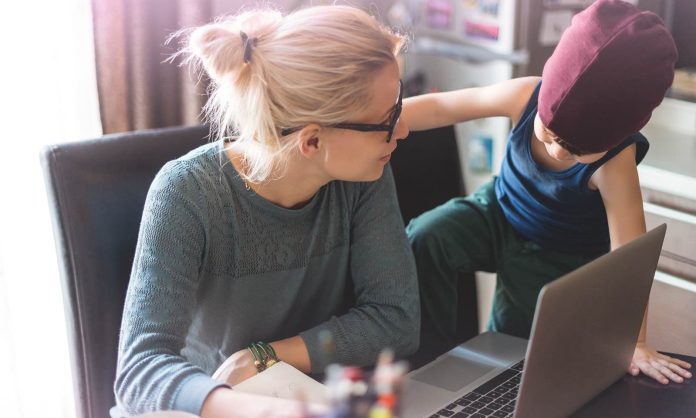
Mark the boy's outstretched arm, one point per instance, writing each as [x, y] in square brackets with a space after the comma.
[617, 182]
[434, 110]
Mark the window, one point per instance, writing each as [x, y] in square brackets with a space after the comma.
[48, 87]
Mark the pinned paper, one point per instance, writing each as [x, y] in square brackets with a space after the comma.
[553, 24]
[481, 30]
[439, 14]
[568, 3]
[577, 3]
[480, 153]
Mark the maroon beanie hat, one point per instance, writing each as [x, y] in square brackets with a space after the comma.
[609, 71]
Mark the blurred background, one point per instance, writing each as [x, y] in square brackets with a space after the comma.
[77, 69]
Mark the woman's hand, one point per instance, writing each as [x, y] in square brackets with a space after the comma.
[237, 368]
[658, 366]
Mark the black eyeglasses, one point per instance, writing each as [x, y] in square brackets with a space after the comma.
[368, 127]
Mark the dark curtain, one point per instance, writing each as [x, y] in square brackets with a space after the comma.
[137, 88]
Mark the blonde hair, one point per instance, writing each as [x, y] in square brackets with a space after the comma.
[315, 65]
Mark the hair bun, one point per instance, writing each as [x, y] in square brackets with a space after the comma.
[217, 48]
[222, 48]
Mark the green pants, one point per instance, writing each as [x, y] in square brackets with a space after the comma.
[472, 234]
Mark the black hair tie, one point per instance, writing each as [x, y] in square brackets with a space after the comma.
[248, 43]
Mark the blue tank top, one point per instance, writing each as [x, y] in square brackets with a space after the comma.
[555, 209]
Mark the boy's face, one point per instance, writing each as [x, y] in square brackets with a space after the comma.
[556, 150]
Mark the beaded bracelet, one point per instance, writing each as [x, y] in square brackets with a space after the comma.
[258, 359]
[264, 355]
[270, 357]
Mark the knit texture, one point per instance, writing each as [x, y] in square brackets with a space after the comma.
[218, 267]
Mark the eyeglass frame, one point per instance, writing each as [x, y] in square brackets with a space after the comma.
[368, 127]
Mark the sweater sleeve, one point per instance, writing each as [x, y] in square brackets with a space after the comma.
[387, 311]
[151, 373]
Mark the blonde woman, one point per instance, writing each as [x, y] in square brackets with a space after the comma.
[257, 237]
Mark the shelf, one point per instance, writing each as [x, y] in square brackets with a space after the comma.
[675, 115]
[670, 165]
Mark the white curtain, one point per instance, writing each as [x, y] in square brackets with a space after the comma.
[47, 95]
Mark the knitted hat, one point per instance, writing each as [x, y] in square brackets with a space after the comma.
[609, 71]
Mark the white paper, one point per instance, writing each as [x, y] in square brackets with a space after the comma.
[284, 381]
[553, 24]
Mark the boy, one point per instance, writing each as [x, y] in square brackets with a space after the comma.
[568, 188]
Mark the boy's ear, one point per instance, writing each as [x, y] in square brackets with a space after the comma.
[309, 142]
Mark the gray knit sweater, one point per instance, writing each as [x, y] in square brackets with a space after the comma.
[218, 267]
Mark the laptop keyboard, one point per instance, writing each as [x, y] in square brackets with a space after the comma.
[495, 398]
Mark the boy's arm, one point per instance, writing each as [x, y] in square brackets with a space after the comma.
[618, 183]
[434, 110]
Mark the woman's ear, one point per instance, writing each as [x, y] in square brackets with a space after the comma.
[309, 142]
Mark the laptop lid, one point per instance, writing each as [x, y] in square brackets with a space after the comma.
[585, 329]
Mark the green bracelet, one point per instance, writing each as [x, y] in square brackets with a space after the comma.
[270, 357]
[264, 355]
[259, 362]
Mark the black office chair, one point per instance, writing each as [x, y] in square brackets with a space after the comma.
[427, 173]
[97, 191]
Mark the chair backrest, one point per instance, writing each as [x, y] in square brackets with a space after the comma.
[97, 191]
[427, 171]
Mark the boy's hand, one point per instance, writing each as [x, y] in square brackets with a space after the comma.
[658, 366]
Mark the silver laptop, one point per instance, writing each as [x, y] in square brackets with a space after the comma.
[583, 335]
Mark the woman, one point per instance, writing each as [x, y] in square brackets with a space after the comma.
[257, 236]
